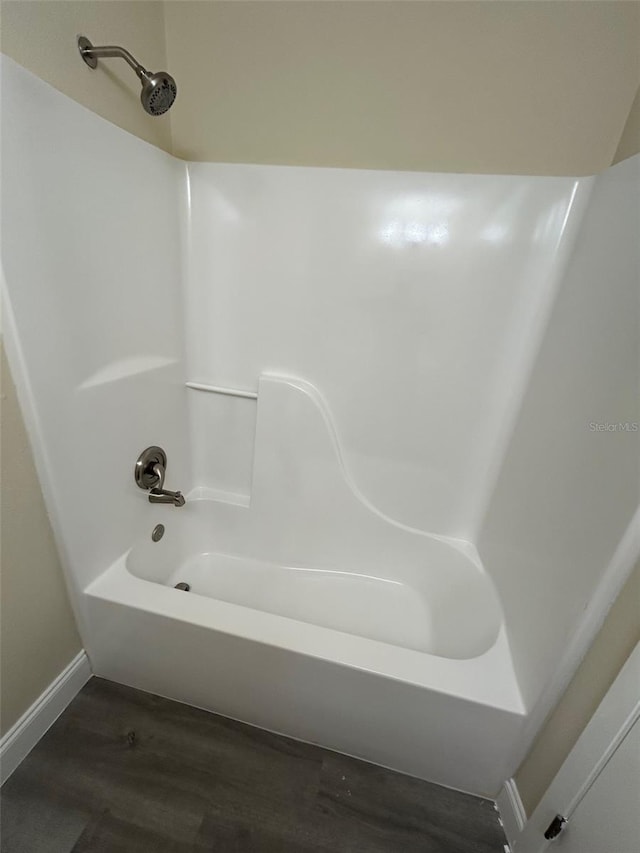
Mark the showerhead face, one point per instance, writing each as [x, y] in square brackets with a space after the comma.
[159, 91]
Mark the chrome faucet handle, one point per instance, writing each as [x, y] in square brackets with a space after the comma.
[150, 471]
[158, 470]
[146, 475]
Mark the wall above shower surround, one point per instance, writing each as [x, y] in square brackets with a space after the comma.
[413, 302]
[569, 483]
[41, 36]
[497, 88]
[91, 257]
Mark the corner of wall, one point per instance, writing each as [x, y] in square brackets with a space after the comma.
[629, 142]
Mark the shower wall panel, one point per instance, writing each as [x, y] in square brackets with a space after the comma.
[91, 261]
[414, 302]
[570, 480]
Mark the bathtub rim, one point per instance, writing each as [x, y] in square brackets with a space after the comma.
[488, 679]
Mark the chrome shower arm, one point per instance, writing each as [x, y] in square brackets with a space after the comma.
[108, 51]
[159, 89]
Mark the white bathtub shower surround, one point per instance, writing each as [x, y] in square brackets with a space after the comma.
[387, 328]
[309, 569]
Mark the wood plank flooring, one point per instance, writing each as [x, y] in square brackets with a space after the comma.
[123, 771]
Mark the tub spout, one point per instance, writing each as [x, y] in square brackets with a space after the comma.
[160, 495]
[164, 496]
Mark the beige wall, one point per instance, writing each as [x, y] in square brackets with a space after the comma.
[495, 87]
[41, 36]
[502, 87]
[630, 139]
[38, 635]
[597, 672]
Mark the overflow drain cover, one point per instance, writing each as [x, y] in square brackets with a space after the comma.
[183, 586]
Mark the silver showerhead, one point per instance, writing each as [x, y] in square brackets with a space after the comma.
[159, 89]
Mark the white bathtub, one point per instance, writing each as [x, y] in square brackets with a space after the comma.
[434, 600]
[317, 657]
[312, 614]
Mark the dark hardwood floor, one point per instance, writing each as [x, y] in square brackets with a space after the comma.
[123, 771]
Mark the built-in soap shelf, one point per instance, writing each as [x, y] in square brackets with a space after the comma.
[223, 417]
[218, 389]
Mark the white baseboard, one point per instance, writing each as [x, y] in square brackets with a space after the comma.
[511, 810]
[32, 725]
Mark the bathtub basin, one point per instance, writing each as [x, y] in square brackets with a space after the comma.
[433, 598]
